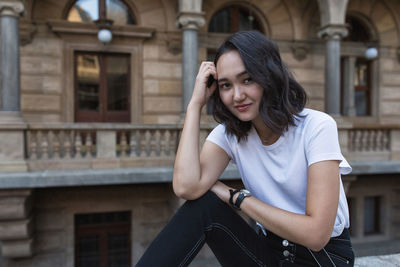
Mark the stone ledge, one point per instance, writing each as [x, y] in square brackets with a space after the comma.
[91, 177]
[383, 260]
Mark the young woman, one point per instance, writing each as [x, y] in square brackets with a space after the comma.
[289, 160]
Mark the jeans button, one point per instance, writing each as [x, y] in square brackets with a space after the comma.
[286, 253]
[285, 243]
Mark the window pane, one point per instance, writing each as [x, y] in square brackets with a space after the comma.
[118, 12]
[371, 215]
[118, 250]
[221, 22]
[247, 21]
[84, 11]
[103, 239]
[102, 218]
[232, 19]
[361, 100]
[358, 31]
[88, 251]
[117, 83]
[88, 72]
[361, 74]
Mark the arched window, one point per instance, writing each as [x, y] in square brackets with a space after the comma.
[356, 70]
[358, 31]
[93, 10]
[232, 19]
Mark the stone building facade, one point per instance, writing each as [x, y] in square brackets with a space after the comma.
[89, 129]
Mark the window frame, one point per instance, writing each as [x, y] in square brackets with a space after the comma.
[102, 12]
[103, 115]
[103, 230]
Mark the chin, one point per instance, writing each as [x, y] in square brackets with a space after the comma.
[244, 117]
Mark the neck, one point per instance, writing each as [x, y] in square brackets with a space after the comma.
[266, 135]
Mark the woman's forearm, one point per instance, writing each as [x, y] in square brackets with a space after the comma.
[187, 162]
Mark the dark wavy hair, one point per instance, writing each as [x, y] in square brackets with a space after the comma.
[283, 97]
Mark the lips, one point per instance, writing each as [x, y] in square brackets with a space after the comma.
[242, 107]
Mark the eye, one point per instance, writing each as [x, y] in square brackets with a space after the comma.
[247, 80]
[224, 86]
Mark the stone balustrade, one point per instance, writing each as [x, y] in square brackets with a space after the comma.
[52, 146]
[75, 145]
[380, 143]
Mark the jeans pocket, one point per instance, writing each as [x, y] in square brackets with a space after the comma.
[339, 259]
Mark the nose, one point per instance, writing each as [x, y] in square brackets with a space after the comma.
[238, 94]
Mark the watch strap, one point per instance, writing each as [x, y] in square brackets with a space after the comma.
[242, 195]
[232, 192]
[239, 200]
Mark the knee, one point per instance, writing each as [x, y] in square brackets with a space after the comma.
[207, 202]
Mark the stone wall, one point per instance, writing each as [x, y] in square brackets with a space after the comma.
[41, 79]
[386, 187]
[151, 206]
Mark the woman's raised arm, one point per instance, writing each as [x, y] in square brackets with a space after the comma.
[194, 174]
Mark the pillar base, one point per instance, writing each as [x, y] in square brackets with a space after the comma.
[14, 166]
[11, 119]
[12, 140]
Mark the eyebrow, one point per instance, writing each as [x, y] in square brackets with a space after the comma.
[238, 75]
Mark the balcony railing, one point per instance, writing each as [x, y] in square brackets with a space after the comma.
[376, 143]
[53, 146]
[64, 146]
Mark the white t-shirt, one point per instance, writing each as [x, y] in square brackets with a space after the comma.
[277, 174]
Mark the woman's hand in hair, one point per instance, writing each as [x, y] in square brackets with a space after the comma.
[201, 92]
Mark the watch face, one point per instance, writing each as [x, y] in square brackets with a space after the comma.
[245, 192]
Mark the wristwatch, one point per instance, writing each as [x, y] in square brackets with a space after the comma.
[243, 193]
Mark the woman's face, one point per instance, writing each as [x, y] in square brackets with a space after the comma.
[239, 93]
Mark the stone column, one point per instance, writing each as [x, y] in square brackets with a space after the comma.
[332, 34]
[190, 23]
[12, 155]
[9, 55]
[349, 108]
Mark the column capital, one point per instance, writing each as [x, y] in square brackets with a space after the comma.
[11, 8]
[190, 20]
[333, 31]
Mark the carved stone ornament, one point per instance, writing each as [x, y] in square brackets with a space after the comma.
[26, 32]
[190, 20]
[11, 8]
[333, 31]
[300, 51]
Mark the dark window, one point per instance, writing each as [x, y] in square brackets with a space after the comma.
[102, 87]
[92, 10]
[362, 88]
[103, 239]
[359, 32]
[233, 19]
[372, 215]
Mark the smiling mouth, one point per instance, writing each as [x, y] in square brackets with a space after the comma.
[242, 107]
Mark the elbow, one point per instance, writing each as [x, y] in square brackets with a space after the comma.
[182, 190]
[318, 241]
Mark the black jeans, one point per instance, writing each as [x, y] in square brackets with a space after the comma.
[233, 241]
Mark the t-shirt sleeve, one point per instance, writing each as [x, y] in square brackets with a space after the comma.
[218, 137]
[323, 144]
